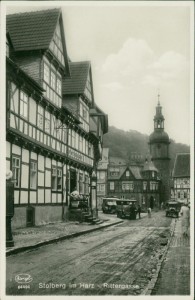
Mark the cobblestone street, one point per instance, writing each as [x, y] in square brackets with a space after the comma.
[174, 277]
[119, 260]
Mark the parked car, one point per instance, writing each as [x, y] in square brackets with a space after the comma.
[126, 209]
[109, 205]
[173, 209]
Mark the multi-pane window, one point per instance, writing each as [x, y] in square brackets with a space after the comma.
[33, 174]
[56, 180]
[46, 73]
[40, 117]
[23, 105]
[112, 185]
[152, 186]
[52, 83]
[47, 122]
[145, 185]
[16, 170]
[59, 87]
[53, 80]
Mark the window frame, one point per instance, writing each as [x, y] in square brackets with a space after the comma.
[17, 179]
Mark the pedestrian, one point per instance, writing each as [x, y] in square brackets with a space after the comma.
[133, 212]
[149, 212]
[139, 211]
[185, 221]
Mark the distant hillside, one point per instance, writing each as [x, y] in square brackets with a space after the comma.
[121, 143]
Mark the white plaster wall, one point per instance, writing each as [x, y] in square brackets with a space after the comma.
[16, 197]
[34, 155]
[40, 179]
[54, 200]
[33, 197]
[8, 149]
[16, 150]
[25, 155]
[23, 197]
[32, 115]
[25, 176]
[48, 162]
[47, 196]
[47, 178]
[40, 195]
[41, 162]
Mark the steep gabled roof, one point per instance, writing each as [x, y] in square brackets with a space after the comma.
[77, 82]
[32, 30]
[182, 165]
[136, 171]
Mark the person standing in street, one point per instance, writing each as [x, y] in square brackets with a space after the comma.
[185, 221]
[139, 211]
[149, 212]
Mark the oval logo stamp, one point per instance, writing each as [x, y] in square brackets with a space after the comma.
[23, 278]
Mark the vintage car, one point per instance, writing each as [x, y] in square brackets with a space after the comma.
[126, 208]
[173, 209]
[109, 205]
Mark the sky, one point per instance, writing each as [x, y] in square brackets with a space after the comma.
[137, 51]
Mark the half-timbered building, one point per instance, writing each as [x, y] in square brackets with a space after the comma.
[46, 138]
[134, 181]
[181, 178]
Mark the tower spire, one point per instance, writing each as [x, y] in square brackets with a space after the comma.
[158, 97]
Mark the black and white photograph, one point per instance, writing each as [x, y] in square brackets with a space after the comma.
[97, 144]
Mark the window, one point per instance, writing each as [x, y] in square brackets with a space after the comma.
[46, 73]
[40, 117]
[59, 87]
[127, 173]
[33, 175]
[112, 185]
[56, 182]
[53, 80]
[23, 105]
[185, 194]
[52, 83]
[178, 195]
[152, 186]
[16, 170]
[47, 122]
[102, 187]
[144, 185]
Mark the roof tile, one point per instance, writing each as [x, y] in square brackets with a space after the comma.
[182, 165]
[32, 30]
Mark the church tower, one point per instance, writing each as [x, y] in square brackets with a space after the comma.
[159, 151]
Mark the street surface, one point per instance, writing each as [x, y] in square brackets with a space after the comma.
[119, 260]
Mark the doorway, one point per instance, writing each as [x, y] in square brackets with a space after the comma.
[73, 180]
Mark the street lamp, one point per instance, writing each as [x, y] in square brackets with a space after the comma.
[94, 194]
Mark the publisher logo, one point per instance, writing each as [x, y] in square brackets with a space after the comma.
[23, 278]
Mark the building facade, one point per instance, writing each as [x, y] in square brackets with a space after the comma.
[181, 178]
[102, 177]
[51, 148]
[159, 150]
[134, 181]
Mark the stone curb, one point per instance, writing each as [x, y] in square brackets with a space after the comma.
[55, 240]
[148, 290]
